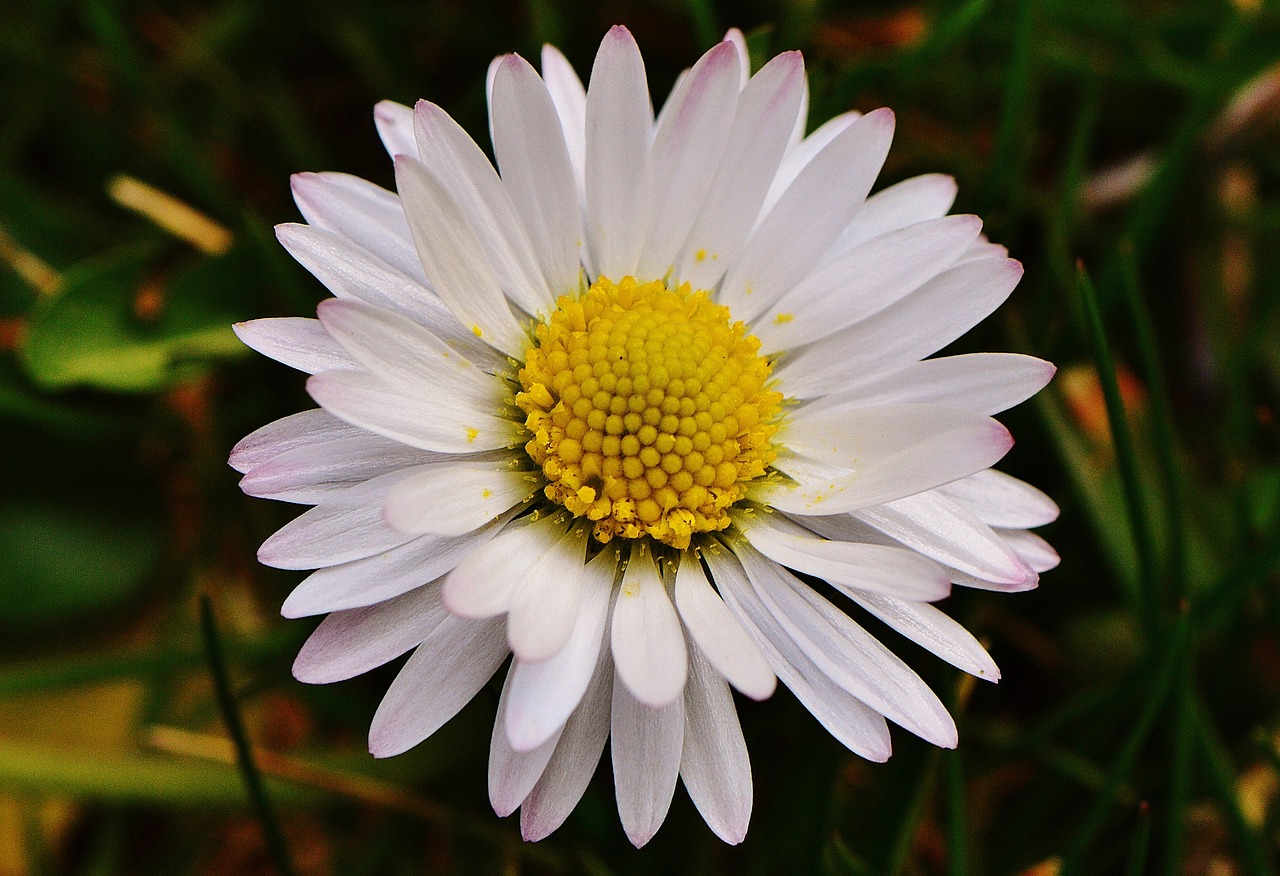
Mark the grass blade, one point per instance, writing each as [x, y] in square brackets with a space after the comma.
[1157, 695]
[957, 817]
[1006, 179]
[1180, 769]
[1126, 452]
[1141, 845]
[1162, 416]
[1254, 856]
[276, 847]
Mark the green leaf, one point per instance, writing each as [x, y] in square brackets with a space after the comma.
[89, 336]
[32, 768]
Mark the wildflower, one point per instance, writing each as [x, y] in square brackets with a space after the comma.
[620, 407]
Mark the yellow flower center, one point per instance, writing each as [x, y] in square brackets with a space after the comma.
[648, 409]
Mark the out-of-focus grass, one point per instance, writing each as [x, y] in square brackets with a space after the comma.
[1136, 727]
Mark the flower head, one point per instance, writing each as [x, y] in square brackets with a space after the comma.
[647, 407]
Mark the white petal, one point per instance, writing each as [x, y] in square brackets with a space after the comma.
[302, 429]
[311, 472]
[490, 75]
[297, 342]
[481, 585]
[913, 200]
[848, 654]
[689, 141]
[512, 774]
[985, 383]
[544, 694]
[848, 566]
[739, 40]
[395, 126]
[713, 762]
[799, 157]
[404, 354]
[864, 281]
[529, 143]
[444, 673]
[939, 528]
[646, 745]
[1034, 550]
[464, 171]
[453, 497]
[767, 109]
[802, 119]
[928, 627]
[574, 762]
[384, 575]
[368, 215]
[349, 643]
[545, 602]
[674, 99]
[1002, 501]
[647, 642]
[892, 452]
[346, 526]
[720, 637]
[822, 199]
[431, 418]
[570, 100]
[984, 249]
[859, 728]
[618, 123]
[349, 271]
[858, 438]
[919, 325]
[454, 259]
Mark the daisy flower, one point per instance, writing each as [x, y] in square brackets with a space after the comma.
[646, 409]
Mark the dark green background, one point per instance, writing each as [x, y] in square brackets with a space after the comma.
[1135, 727]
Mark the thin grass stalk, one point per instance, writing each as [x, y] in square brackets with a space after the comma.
[1157, 695]
[910, 826]
[1181, 768]
[1074, 165]
[943, 34]
[703, 17]
[1250, 572]
[1254, 857]
[957, 816]
[276, 848]
[1126, 452]
[1162, 418]
[1140, 848]
[1006, 179]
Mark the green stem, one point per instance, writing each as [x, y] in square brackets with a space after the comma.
[957, 817]
[1126, 452]
[1180, 770]
[257, 794]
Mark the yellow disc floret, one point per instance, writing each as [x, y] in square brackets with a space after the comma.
[647, 410]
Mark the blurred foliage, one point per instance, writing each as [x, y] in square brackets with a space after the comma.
[144, 155]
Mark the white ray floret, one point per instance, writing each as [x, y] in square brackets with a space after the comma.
[645, 412]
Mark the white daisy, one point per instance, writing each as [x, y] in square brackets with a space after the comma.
[600, 407]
